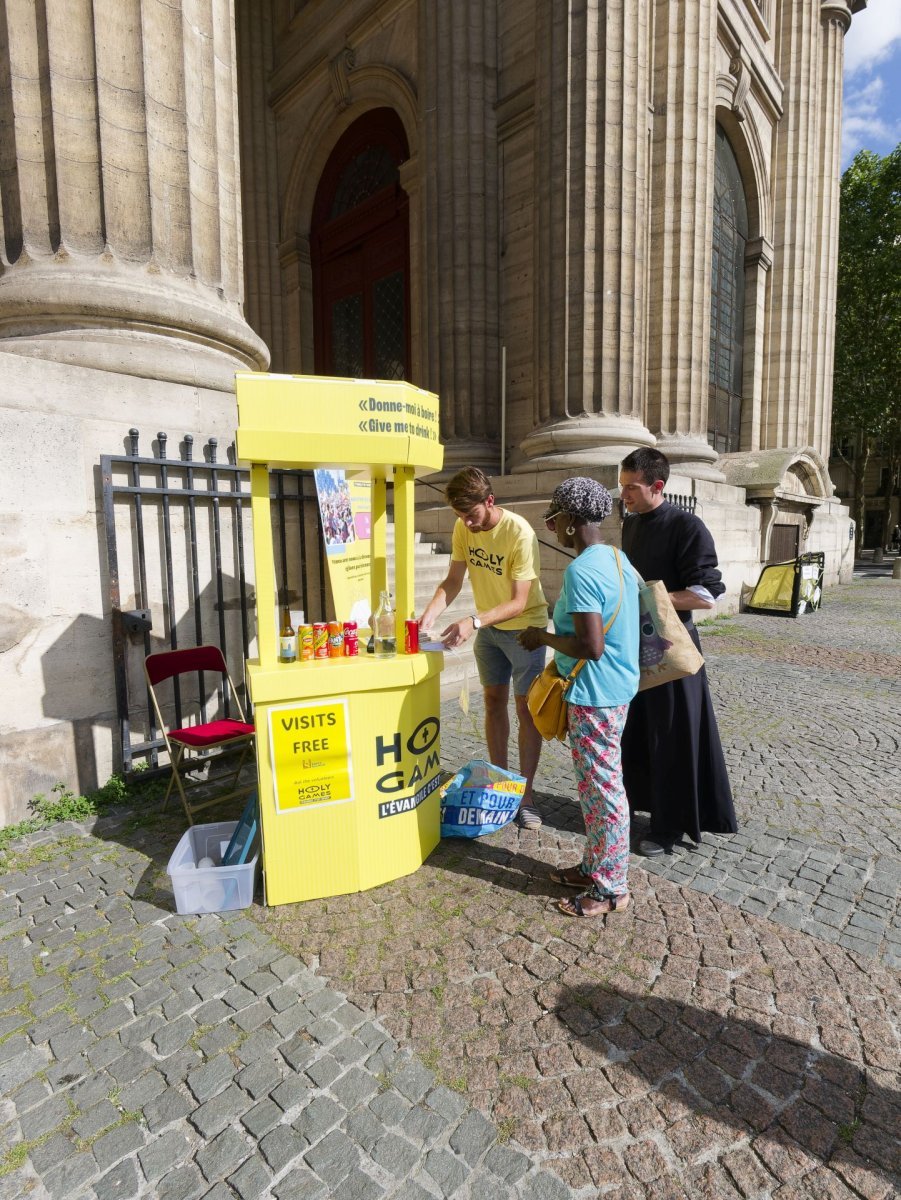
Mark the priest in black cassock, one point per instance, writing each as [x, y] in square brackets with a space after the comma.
[673, 765]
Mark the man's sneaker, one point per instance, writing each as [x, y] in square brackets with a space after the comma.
[528, 817]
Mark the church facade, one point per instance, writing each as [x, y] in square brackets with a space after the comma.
[588, 227]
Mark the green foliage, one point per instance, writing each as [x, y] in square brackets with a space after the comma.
[866, 416]
[64, 805]
[867, 386]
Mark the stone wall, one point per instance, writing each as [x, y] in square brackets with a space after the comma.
[57, 697]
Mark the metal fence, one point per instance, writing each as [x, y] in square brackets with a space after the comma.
[180, 570]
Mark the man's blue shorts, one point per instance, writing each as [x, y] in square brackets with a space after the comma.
[500, 657]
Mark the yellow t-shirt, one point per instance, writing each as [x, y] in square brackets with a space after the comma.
[494, 559]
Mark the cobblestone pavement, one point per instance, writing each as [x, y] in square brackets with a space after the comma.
[734, 1033]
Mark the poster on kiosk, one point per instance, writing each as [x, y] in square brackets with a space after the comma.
[348, 746]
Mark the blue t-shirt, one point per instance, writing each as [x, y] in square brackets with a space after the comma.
[591, 584]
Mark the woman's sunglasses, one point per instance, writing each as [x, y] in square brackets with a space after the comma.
[550, 521]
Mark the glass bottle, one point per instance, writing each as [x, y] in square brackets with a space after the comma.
[384, 627]
[287, 640]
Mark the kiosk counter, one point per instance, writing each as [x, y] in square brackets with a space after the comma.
[348, 749]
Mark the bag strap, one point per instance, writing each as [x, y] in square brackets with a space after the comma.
[619, 567]
[581, 663]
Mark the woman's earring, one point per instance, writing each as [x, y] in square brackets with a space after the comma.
[570, 530]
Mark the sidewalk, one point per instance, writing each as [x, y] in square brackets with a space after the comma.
[733, 1034]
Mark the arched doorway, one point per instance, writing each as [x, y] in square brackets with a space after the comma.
[359, 245]
[727, 300]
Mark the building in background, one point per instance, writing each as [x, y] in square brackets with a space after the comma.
[588, 228]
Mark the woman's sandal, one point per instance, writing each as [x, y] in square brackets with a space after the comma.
[572, 877]
[574, 907]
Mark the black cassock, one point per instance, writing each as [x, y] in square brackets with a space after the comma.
[673, 765]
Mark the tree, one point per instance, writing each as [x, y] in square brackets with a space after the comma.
[866, 414]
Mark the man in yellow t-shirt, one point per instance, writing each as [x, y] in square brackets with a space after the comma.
[499, 549]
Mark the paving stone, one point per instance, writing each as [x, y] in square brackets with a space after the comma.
[448, 1171]
[324, 1070]
[224, 1109]
[251, 1180]
[66, 1178]
[261, 1118]
[472, 1137]
[118, 1143]
[300, 1184]
[395, 1154]
[183, 1183]
[446, 1103]
[293, 1091]
[101, 1116]
[223, 1154]
[507, 1163]
[544, 1186]
[413, 1081]
[175, 1034]
[158, 1155]
[47, 1116]
[363, 1129]
[354, 1087]
[121, 1182]
[210, 1079]
[259, 1078]
[389, 1107]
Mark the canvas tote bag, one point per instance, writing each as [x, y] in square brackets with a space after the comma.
[547, 692]
[665, 649]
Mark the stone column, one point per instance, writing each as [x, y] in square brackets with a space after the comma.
[592, 92]
[121, 215]
[682, 165]
[263, 305]
[460, 207]
[795, 253]
[835, 16]
[758, 263]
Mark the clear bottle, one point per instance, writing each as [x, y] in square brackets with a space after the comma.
[287, 639]
[384, 628]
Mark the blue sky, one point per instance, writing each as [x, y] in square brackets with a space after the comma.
[872, 105]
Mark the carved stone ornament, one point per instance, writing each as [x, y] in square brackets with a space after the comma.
[339, 70]
[739, 68]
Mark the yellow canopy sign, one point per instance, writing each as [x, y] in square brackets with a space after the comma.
[290, 420]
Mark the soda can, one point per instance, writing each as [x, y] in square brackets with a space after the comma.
[351, 641]
[411, 637]
[320, 639]
[305, 642]
[335, 639]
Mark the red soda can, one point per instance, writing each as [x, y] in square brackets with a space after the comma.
[335, 639]
[411, 637]
[351, 641]
[320, 639]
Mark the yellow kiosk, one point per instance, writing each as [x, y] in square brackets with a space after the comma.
[347, 748]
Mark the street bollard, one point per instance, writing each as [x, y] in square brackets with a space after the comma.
[878, 555]
[896, 569]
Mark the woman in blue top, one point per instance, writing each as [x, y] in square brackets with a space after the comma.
[598, 698]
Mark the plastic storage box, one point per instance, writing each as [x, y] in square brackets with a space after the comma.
[209, 889]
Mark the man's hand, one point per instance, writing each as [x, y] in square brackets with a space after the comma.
[531, 638]
[457, 634]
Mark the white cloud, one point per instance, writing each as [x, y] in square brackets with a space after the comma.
[864, 124]
[873, 36]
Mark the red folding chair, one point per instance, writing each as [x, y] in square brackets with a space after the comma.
[193, 741]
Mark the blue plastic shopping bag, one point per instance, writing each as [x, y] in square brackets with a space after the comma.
[481, 798]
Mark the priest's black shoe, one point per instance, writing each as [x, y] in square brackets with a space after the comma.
[651, 848]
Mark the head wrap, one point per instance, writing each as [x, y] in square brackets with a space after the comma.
[582, 498]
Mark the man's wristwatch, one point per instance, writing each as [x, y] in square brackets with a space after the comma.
[476, 623]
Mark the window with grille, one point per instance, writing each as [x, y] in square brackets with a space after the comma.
[727, 292]
[360, 254]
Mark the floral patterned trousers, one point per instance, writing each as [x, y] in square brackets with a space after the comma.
[594, 738]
